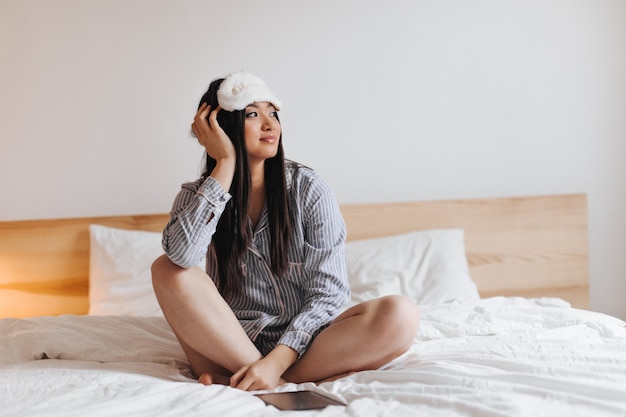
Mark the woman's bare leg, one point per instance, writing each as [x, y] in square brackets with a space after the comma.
[364, 337]
[207, 329]
[207, 372]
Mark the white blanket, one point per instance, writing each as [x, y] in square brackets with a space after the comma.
[492, 357]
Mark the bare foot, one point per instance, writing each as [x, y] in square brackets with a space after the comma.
[208, 379]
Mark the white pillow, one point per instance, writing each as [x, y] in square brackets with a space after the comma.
[120, 281]
[427, 266]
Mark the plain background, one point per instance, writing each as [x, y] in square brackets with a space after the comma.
[390, 101]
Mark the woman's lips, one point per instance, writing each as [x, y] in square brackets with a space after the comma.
[269, 139]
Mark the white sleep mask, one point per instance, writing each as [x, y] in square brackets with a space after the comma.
[241, 89]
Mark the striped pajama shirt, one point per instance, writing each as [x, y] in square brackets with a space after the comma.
[290, 309]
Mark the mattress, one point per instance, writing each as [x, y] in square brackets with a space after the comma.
[501, 356]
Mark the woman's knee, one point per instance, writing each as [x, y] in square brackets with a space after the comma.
[397, 318]
[171, 278]
[163, 271]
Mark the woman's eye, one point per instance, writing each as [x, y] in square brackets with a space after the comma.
[252, 114]
[274, 114]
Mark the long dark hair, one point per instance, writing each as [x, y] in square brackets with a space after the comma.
[231, 238]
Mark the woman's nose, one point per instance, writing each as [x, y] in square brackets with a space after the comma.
[267, 123]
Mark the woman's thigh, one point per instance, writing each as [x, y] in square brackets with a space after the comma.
[364, 337]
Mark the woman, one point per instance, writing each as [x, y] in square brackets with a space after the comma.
[267, 309]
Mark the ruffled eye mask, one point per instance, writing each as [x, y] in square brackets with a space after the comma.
[241, 89]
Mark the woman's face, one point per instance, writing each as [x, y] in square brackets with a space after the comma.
[262, 131]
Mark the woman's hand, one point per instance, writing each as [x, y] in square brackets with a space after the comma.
[211, 135]
[260, 375]
[217, 144]
[266, 372]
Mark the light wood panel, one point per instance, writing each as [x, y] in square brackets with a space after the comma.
[44, 264]
[525, 246]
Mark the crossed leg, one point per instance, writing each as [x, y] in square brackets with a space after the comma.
[207, 329]
[364, 337]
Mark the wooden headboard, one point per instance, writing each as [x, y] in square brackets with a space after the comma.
[522, 246]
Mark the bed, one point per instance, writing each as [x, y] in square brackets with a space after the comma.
[502, 285]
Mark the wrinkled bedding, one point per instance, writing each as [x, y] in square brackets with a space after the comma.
[492, 357]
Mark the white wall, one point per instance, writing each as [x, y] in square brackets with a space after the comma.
[395, 100]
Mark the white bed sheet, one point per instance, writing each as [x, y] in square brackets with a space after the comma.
[492, 357]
